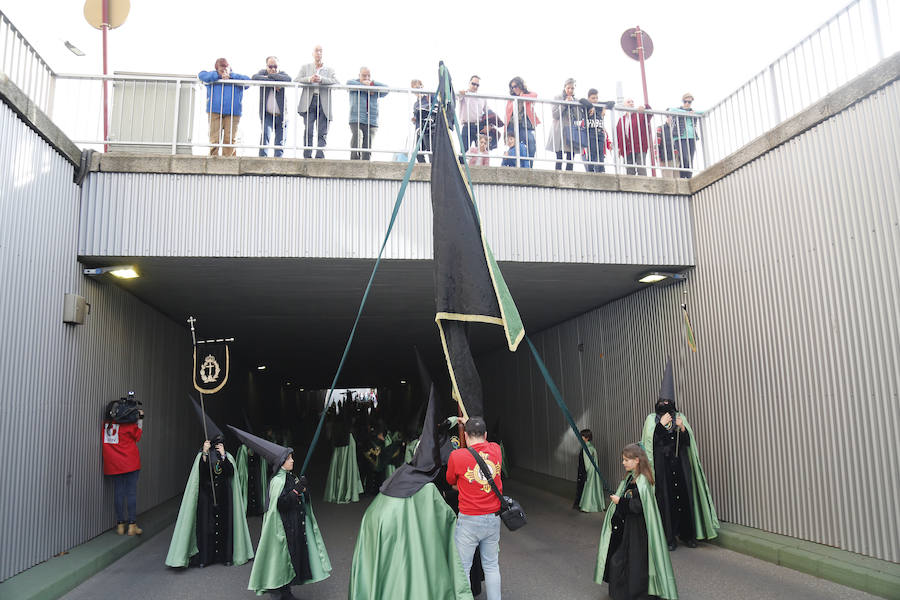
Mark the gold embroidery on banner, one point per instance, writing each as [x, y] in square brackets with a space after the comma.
[474, 475]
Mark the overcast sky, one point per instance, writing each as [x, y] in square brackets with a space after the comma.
[708, 47]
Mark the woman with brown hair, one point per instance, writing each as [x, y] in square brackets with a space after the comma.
[520, 117]
[633, 557]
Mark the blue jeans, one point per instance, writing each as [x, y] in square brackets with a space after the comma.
[527, 135]
[125, 485]
[269, 123]
[480, 531]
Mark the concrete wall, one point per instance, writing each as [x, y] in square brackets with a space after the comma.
[793, 393]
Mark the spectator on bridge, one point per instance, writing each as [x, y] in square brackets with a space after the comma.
[315, 102]
[514, 151]
[562, 141]
[122, 461]
[423, 119]
[212, 521]
[520, 116]
[686, 133]
[471, 110]
[682, 493]
[364, 113]
[595, 152]
[633, 136]
[665, 149]
[223, 104]
[632, 538]
[271, 106]
[480, 157]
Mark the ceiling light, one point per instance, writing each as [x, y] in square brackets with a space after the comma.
[402, 382]
[120, 271]
[657, 276]
[261, 368]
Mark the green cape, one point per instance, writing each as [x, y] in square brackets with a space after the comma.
[592, 498]
[406, 551]
[184, 539]
[243, 476]
[410, 450]
[343, 484]
[661, 579]
[272, 568]
[706, 522]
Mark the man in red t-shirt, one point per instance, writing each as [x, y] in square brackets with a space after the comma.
[122, 461]
[478, 524]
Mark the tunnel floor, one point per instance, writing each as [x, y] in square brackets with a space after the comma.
[551, 558]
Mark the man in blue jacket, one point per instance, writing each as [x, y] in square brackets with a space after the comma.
[223, 103]
[271, 106]
[364, 113]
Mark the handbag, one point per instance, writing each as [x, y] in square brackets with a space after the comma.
[511, 512]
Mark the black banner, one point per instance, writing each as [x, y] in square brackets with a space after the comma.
[211, 362]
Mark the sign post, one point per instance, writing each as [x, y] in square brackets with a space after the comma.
[637, 45]
[105, 15]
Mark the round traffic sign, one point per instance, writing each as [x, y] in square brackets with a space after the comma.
[630, 43]
[117, 12]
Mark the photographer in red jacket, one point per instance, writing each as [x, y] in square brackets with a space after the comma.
[122, 429]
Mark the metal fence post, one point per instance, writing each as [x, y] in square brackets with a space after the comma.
[175, 120]
[876, 29]
[773, 86]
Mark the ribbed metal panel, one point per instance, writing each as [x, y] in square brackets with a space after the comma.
[129, 214]
[56, 378]
[793, 394]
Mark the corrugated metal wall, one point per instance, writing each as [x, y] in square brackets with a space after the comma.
[131, 214]
[794, 394]
[56, 378]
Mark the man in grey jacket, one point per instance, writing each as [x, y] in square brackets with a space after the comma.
[315, 102]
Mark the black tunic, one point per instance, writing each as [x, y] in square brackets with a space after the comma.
[627, 563]
[582, 477]
[214, 535]
[255, 495]
[293, 517]
[673, 482]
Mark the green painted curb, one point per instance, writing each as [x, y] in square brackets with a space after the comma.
[57, 576]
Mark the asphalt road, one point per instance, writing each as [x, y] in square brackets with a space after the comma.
[551, 558]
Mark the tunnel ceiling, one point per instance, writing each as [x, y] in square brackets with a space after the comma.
[295, 315]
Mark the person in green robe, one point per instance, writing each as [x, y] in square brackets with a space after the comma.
[212, 523]
[343, 484]
[682, 493]
[590, 497]
[406, 549]
[632, 556]
[291, 550]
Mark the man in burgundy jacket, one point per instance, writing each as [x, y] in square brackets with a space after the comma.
[633, 137]
[122, 461]
[478, 524]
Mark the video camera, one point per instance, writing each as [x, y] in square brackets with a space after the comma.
[123, 410]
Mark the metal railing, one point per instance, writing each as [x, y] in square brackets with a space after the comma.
[852, 41]
[167, 114]
[24, 66]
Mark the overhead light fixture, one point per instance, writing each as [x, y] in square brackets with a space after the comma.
[261, 368]
[657, 276]
[73, 48]
[120, 271]
[300, 389]
[287, 384]
[402, 382]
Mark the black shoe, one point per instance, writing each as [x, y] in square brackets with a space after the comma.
[672, 547]
[691, 543]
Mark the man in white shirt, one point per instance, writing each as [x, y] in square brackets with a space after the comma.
[471, 109]
[271, 106]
